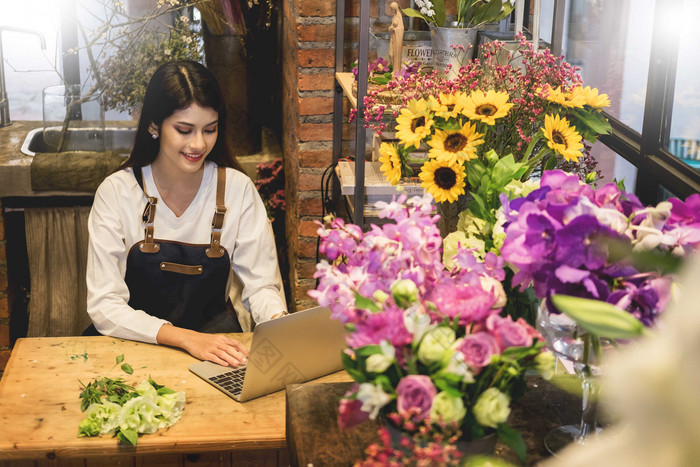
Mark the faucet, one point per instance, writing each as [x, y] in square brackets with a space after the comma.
[4, 103]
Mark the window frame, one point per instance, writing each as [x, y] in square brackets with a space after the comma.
[657, 167]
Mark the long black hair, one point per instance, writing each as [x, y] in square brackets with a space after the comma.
[175, 86]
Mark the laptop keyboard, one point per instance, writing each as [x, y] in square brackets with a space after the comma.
[231, 381]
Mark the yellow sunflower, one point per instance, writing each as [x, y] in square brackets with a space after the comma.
[443, 180]
[391, 162]
[572, 98]
[591, 97]
[414, 123]
[455, 146]
[448, 105]
[562, 138]
[487, 107]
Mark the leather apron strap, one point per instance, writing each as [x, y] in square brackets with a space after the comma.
[215, 250]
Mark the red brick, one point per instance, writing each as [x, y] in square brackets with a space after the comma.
[316, 32]
[352, 8]
[316, 8]
[2, 228]
[310, 207]
[315, 105]
[309, 182]
[4, 335]
[402, 4]
[3, 278]
[316, 58]
[4, 357]
[302, 288]
[307, 248]
[308, 229]
[3, 252]
[316, 132]
[316, 81]
[316, 158]
[306, 269]
[4, 307]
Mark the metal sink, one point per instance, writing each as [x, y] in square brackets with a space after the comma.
[116, 139]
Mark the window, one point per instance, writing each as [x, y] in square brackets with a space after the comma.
[641, 53]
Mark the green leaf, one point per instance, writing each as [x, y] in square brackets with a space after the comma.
[513, 439]
[368, 350]
[600, 318]
[550, 163]
[486, 13]
[365, 303]
[440, 13]
[416, 14]
[120, 358]
[596, 121]
[126, 368]
[165, 390]
[128, 436]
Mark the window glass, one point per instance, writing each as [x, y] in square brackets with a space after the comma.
[685, 122]
[611, 43]
[613, 167]
[28, 68]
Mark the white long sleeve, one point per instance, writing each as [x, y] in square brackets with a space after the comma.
[115, 225]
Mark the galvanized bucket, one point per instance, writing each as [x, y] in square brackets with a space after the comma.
[452, 48]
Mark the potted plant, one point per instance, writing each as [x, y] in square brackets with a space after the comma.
[453, 44]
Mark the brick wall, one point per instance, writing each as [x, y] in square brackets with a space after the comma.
[308, 44]
[4, 306]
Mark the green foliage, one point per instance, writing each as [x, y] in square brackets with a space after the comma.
[136, 56]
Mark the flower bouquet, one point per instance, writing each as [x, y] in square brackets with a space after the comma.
[427, 346]
[540, 113]
[603, 259]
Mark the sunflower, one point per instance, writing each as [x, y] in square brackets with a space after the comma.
[562, 138]
[443, 180]
[455, 146]
[591, 97]
[414, 123]
[391, 162]
[487, 107]
[448, 105]
[572, 98]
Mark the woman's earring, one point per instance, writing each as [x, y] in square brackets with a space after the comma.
[154, 136]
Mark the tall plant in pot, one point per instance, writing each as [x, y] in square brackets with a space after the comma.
[453, 43]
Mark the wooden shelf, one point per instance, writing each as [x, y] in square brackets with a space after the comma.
[345, 80]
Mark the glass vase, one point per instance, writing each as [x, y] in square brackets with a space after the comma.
[570, 342]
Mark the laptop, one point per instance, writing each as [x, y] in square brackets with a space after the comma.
[292, 349]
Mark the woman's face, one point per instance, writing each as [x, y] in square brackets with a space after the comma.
[187, 137]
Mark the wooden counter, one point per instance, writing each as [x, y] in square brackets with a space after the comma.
[40, 407]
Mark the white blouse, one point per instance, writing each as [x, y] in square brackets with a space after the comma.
[115, 225]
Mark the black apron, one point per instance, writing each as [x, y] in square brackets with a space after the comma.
[179, 282]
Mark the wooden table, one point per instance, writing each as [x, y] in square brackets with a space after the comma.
[314, 437]
[40, 408]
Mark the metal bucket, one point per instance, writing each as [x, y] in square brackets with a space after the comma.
[452, 48]
[417, 47]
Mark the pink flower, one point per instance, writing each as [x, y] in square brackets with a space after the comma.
[509, 333]
[415, 396]
[469, 303]
[350, 415]
[478, 349]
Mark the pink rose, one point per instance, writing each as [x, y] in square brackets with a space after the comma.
[509, 333]
[415, 396]
[350, 415]
[477, 349]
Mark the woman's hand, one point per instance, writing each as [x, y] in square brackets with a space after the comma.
[215, 348]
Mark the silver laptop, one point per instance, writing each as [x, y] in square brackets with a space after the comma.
[287, 350]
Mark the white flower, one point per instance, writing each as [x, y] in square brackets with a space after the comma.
[458, 366]
[428, 3]
[424, 11]
[491, 408]
[430, 13]
[184, 19]
[373, 398]
[420, 3]
[167, 51]
[379, 362]
[187, 39]
[417, 322]
[495, 287]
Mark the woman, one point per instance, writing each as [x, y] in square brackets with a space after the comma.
[168, 229]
